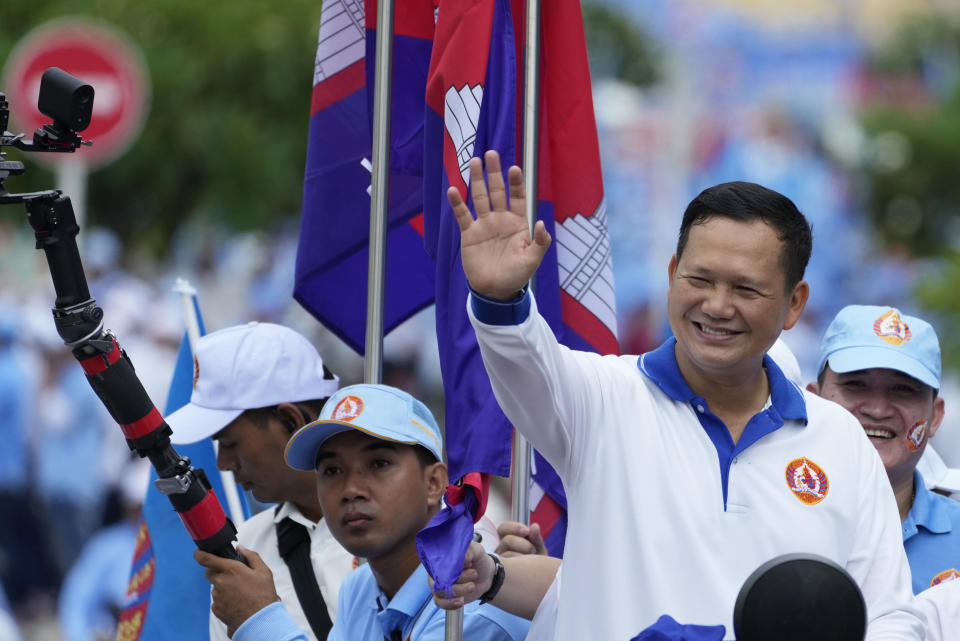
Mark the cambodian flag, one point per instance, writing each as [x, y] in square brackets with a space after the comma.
[331, 266]
[168, 597]
[472, 97]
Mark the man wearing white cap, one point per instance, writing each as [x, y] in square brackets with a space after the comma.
[254, 386]
[884, 367]
[380, 477]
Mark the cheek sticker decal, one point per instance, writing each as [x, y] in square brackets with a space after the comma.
[916, 434]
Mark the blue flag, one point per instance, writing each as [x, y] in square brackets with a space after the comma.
[168, 597]
[332, 256]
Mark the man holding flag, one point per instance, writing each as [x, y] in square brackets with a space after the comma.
[696, 462]
[254, 385]
[380, 476]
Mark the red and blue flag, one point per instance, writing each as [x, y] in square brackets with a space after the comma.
[472, 106]
[332, 257]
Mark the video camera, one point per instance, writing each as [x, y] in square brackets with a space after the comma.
[65, 99]
[79, 320]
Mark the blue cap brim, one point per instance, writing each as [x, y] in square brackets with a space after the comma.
[302, 448]
[861, 357]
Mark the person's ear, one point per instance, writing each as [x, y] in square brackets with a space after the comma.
[798, 300]
[291, 417]
[814, 388]
[437, 480]
[939, 407]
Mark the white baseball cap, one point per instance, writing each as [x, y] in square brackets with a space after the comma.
[246, 367]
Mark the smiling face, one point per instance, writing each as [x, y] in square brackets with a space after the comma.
[728, 300]
[376, 494]
[897, 412]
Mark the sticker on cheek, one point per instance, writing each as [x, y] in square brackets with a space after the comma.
[916, 434]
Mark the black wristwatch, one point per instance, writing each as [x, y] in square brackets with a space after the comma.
[497, 583]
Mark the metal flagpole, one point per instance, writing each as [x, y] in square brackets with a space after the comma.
[520, 472]
[379, 194]
[187, 295]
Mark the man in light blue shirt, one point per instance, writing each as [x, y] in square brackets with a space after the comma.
[377, 453]
[884, 367]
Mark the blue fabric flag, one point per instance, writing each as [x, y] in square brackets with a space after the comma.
[168, 597]
[667, 629]
[332, 257]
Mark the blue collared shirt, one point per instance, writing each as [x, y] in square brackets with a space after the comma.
[931, 537]
[660, 365]
[786, 402]
[365, 614]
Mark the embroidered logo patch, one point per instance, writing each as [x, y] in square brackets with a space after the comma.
[943, 577]
[916, 434]
[807, 481]
[891, 328]
[196, 371]
[348, 408]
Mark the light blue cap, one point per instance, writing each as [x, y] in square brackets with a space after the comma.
[381, 411]
[868, 337]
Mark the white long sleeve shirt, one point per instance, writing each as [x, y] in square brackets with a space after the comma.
[666, 514]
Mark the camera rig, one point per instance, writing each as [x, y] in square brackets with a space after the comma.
[79, 320]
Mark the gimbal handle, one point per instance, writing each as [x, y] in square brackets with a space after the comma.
[110, 372]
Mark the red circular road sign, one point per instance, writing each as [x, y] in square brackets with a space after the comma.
[100, 56]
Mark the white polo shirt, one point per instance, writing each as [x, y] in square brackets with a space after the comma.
[941, 604]
[331, 563]
[666, 514]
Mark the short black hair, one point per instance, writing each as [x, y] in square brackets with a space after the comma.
[424, 456]
[746, 202]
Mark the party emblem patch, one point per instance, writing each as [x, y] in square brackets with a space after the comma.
[348, 408]
[916, 434]
[891, 328]
[943, 577]
[807, 481]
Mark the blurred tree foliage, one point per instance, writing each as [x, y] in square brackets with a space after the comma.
[617, 47]
[225, 137]
[911, 160]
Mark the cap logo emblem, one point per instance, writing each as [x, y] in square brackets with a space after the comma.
[196, 371]
[891, 328]
[807, 481]
[348, 408]
[943, 577]
[916, 434]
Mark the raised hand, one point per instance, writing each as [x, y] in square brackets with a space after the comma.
[498, 255]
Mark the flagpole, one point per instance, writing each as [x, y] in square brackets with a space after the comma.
[520, 472]
[379, 194]
[187, 296]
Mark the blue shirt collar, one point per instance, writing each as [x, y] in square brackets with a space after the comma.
[927, 511]
[660, 366]
[406, 605]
